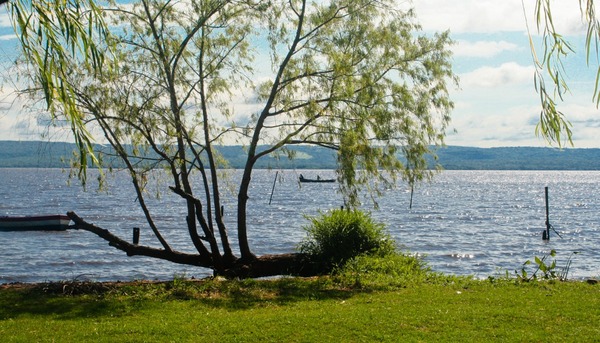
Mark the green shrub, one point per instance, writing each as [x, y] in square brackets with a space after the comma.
[340, 235]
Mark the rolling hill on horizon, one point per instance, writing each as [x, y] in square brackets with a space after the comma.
[42, 154]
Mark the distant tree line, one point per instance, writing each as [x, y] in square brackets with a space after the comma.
[38, 154]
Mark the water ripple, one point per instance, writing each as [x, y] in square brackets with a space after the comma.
[464, 222]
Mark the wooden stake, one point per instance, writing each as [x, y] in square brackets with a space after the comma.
[412, 188]
[273, 189]
[546, 234]
[136, 235]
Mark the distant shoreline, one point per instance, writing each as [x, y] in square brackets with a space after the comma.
[43, 154]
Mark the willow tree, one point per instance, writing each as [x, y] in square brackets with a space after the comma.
[355, 76]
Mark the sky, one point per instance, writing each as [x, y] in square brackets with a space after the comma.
[496, 104]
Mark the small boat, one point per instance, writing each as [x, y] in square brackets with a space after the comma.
[55, 222]
[318, 179]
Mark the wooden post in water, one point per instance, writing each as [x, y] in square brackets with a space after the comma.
[546, 233]
[136, 235]
[273, 189]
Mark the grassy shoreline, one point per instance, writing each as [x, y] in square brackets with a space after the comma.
[300, 310]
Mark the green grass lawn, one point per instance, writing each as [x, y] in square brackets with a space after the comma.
[302, 310]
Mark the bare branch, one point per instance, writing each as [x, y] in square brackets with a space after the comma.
[133, 250]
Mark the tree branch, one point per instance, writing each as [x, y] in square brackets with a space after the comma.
[133, 250]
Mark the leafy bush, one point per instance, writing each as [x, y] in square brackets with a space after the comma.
[340, 235]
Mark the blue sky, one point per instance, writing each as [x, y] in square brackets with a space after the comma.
[496, 103]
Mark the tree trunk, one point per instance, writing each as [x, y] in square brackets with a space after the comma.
[293, 264]
[241, 215]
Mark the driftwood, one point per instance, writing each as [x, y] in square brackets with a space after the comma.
[267, 265]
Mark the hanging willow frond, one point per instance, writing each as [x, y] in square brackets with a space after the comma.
[554, 125]
[53, 34]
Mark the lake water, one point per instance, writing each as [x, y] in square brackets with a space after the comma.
[477, 223]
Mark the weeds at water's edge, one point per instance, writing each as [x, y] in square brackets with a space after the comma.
[361, 274]
[544, 269]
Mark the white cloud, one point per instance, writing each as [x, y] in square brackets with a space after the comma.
[507, 113]
[17, 121]
[470, 15]
[486, 16]
[4, 18]
[490, 77]
[508, 125]
[485, 49]
[585, 118]
[8, 37]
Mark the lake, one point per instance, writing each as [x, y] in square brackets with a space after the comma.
[477, 223]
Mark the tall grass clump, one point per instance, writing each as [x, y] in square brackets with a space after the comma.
[393, 271]
[335, 237]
